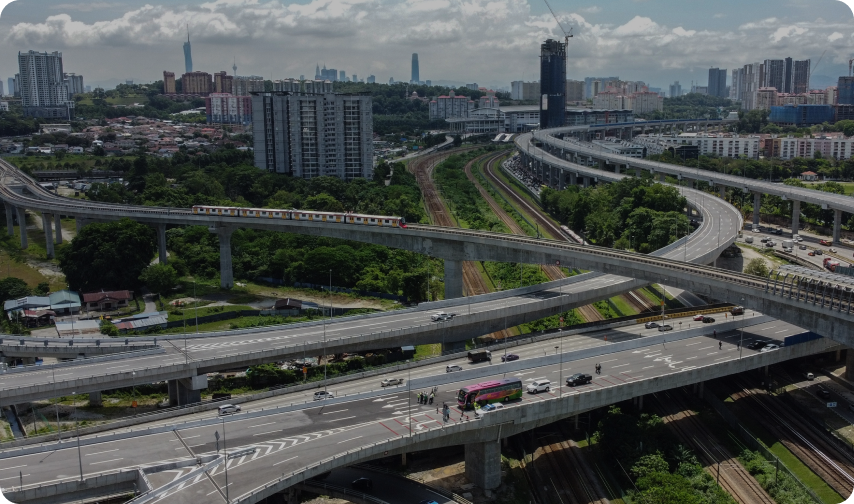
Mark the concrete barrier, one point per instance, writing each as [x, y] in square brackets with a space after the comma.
[101, 485]
[155, 494]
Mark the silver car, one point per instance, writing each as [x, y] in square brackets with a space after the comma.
[388, 382]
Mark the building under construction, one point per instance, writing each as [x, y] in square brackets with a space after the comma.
[552, 84]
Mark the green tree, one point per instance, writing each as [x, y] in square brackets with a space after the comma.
[108, 256]
[649, 464]
[42, 289]
[758, 267]
[13, 288]
[109, 328]
[159, 278]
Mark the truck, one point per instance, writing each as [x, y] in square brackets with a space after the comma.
[480, 356]
[831, 264]
[788, 245]
[737, 310]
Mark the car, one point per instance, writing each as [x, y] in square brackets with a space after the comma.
[809, 376]
[452, 368]
[811, 253]
[737, 310]
[708, 320]
[698, 318]
[362, 484]
[322, 395]
[802, 247]
[488, 408]
[831, 250]
[509, 357]
[825, 243]
[538, 386]
[765, 240]
[778, 231]
[578, 379]
[228, 409]
[442, 316]
[823, 393]
[665, 327]
[818, 252]
[757, 345]
[651, 325]
[769, 244]
[770, 347]
[388, 382]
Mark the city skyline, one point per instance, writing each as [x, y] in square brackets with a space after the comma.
[643, 40]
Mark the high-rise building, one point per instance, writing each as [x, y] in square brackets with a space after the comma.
[750, 80]
[331, 74]
[775, 74]
[313, 135]
[12, 91]
[717, 82]
[473, 86]
[766, 98]
[800, 81]
[552, 84]
[196, 83]
[74, 83]
[574, 90]
[450, 106]
[225, 108]
[415, 73]
[354, 78]
[520, 90]
[245, 86]
[428, 82]
[735, 87]
[372, 79]
[2, 93]
[604, 82]
[43, 90]
[390, 81]
[675, 90]
[188, 55]
[787, 76]
[317, 74]
[845, 91]
[342, 76]
[301, 77]
[223, 83]
[168, 82]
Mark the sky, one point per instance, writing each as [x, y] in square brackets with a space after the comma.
[491, 42]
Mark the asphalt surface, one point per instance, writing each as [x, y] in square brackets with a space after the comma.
[288, 441]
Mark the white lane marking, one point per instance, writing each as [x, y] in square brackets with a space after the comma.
[694, 357]
[100, 452]
[106, 461]
[647, 367]
[381, 399]
[523, 374]
[333, 412]
[706, 347]
[283, 461]
[264, 433]
[697, 343]
[345, 418]
[604, 361]
[13, 477]
[261, 425]
[351, 439]
[721, 358]
[14, 467]
[621, 365]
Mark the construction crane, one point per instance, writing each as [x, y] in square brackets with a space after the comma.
[566, 35]
[850, 62]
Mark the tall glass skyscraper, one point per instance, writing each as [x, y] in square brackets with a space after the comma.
[188, 56]
[415, 77]
[552, 84]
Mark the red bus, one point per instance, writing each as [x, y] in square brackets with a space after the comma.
[489, 392]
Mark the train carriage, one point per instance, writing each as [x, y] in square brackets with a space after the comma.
[302, 215]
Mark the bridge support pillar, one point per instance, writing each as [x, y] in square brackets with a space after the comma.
[573, 178]
[722, 190]
[48, 234]
[662, 177]
[57, 221]
[601, 164]
[561, 180]
[576, 422]
[617, 168]
[161, 243]
[796, 217]
[226, 275]
[700, 389]
[849, 363]
[837, 225]
[10, 220]
[757, 207]
[185, 391]
[640, 403]
[80, 223]
[586, 181]
[638, 172]
[95, 399]
[483, 464]
[453, 279]
[22, 226]
[403, 459]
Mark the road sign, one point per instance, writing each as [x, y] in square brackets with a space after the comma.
[557, 263]
[831, 404]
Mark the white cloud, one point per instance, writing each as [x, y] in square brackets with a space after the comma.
[465, 40]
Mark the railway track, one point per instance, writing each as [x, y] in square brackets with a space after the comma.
[568, 472]
[715, 457]
[440, 216]
[821, 456]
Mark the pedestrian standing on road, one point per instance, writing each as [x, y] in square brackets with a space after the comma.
[720, 345]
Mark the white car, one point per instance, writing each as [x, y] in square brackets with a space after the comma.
[321, 395]
[770, 347]
[442, 316]
[489, 408]
[228, 409]
[831, 250]
[452, 368]
[538, 386]
[388, 382]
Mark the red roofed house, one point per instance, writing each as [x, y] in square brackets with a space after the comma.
[809, 176]
[106, 300]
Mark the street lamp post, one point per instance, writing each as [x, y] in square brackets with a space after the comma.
[225, 452]
[79, 455]
[56, 405]
[326, 360]
[741, 342]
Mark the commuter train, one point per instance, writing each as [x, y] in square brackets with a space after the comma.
[302, 215]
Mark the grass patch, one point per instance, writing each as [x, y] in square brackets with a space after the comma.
[427, 351]
[176, 314]
[624, 307]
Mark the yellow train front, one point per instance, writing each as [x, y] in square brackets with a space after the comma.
[301, 215]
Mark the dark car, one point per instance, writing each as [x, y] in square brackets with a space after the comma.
[823, 393]
[578, 379]
[665, 327]
[757, 345]
[509, 357]
[363, 484]
[708, 320]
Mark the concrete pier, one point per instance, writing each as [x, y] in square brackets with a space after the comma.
[57, 221]
[226, 275]
[161, 243]
[22, 225]
[185, 391]
[95, 399]
[757, 207]
[837, 225]
[453, 279]
[483, 464]
[10, 219]
[796, 216]
[48, 234]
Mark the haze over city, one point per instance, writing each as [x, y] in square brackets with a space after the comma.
[656, 41]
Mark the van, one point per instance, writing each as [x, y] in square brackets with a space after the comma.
[748, 239]
[538, 386]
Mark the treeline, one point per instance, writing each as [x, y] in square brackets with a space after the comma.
[662, 470]
[692, 106]
[634, 213]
